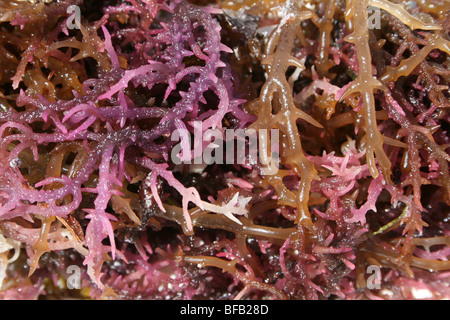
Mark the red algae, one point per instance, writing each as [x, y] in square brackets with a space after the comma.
[353, 93]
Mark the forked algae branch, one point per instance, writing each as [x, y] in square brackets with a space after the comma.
[173, 149]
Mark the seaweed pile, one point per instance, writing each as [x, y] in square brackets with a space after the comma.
[354, 94]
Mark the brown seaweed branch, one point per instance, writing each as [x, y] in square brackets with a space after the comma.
[278, 110]
[365, 83]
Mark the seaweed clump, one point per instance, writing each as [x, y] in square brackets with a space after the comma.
[353, 93]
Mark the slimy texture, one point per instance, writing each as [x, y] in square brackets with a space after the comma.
[89, 104]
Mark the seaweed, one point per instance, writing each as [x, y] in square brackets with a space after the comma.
[94, 115]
